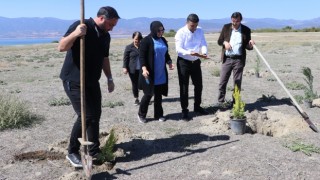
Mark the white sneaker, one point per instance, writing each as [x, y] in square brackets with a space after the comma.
[162, 119]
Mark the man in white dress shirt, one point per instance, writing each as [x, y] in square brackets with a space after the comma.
[190, 46]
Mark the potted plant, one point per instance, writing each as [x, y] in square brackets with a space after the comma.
[309, 94]
[238, 118]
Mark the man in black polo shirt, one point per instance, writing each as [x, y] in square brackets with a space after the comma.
[97, 44]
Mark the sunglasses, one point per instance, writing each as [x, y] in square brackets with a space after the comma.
[160, 30]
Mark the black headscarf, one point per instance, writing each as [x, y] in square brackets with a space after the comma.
[154, 27]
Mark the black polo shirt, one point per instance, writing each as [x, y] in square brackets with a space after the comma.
[97, 45]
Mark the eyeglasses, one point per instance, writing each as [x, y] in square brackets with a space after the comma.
[234, 20]
[160, 30]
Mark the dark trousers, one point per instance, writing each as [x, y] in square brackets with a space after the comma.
[93, 113]
[134, 81]
[234, 66]
[145, 100]
[187, 69]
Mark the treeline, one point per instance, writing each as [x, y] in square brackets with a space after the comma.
[288, 29]
[172, 32]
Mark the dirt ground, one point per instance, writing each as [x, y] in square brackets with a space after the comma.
[204, 148]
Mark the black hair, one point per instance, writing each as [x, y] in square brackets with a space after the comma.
[109, 12]
[237, 15]
[154, 28]
[137, 33]
[193, 18]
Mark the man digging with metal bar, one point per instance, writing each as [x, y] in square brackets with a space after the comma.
[97, 44]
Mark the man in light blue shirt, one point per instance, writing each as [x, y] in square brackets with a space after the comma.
[235, 39]
[190, 46]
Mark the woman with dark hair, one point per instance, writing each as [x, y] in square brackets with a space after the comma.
[131, 63]
[153, 79]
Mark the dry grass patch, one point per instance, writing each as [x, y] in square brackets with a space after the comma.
[15, 113]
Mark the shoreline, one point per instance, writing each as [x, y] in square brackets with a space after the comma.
[42, 40]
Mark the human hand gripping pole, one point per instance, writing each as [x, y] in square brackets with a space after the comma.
[303, 114]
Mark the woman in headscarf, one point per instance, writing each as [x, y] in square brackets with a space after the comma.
[153, 79]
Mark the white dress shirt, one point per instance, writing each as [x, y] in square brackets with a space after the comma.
[187, 42]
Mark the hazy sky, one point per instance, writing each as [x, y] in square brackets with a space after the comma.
[128, 9]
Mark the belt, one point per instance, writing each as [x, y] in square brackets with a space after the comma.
[234, 57]
[194, 61]
[188, 61]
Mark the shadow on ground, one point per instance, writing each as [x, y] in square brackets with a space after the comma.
[266, 101]
[141, 148]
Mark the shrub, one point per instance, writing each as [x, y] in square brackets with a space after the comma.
[59, 102]
[108, 149]
[112, 104]
[309, 93]
[171, 33]
[257, 66]
[15, 113]
[238, 106]
[295, 86]
[215, 72]
[299, 98]
[307, 149]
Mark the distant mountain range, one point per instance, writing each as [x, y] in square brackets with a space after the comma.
[53, 27]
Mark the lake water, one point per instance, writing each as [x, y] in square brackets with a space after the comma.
[26, 41]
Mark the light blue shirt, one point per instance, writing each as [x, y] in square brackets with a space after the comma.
[235, 42]
[187, 42]
[160, 50]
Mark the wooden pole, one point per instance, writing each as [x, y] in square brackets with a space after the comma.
[85, 157]
[82, 76]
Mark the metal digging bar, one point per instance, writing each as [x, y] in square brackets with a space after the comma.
[85, 157]
[304, 114]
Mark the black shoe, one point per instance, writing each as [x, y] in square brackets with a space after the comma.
[74, 159]
[201, 111]
[142, 119]
[223, 105]
[218, 105]
[96, 159]
[136, 102]
[185, 117]
[95, 154]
